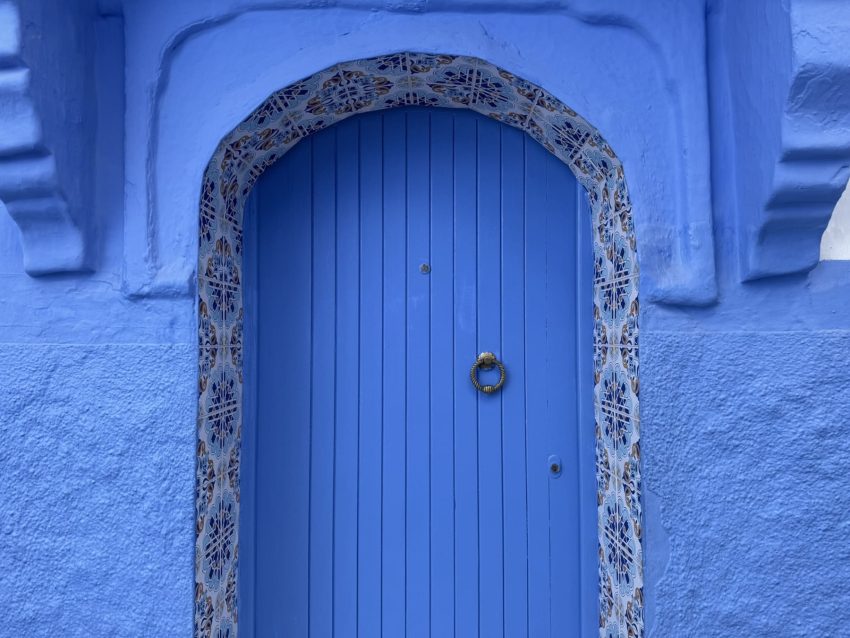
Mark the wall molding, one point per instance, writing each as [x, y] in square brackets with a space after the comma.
[811, 161]
[29, 182]
[676, 225]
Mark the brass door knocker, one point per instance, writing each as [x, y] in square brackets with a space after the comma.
[487, 361]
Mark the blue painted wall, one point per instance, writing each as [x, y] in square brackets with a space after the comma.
[97, 391]
[743, 401]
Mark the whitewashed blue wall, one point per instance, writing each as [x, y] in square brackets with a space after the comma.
[743, 396]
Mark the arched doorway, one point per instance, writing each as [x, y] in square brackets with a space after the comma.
[386, 82]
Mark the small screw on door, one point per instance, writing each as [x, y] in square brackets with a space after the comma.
[555, 466]
[425, 269]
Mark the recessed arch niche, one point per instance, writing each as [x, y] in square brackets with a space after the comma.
[388, 81]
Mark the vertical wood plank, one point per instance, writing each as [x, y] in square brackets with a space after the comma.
[283, 395]
[561, 381]
[466, 413]
[370, 374]
[393, 562]
[323, 386]
[587, 548]
[489, 276]
[347, 380]
[418, 380]
[536, 330]
[513, 400]
[443, 373]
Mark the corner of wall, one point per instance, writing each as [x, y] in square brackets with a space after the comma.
[48, 124]
[29, 183]
[792, 127]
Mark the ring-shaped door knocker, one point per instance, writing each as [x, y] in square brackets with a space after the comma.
[487, 361]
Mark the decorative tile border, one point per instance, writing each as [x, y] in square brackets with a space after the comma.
[408, 79]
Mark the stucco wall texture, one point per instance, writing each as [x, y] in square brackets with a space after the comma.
[745, 439]
[98, 470]
[744, 402]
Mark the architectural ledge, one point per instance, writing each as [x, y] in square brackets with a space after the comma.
[29, 184]
[812, 159]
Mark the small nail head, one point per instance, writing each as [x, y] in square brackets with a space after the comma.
[555, 465]
[425, 269]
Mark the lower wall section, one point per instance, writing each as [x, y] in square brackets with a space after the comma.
[746, 446]
[97, 467]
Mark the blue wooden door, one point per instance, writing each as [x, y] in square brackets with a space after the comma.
[382, 494]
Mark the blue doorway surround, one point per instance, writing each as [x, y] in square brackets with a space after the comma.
[225, 306]
[389, 496]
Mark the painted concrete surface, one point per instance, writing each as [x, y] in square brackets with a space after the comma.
[745, 439]
[48, 128]
[98, 462]
[97, 391]
[789, 115]
[629, 75]
[744, 402]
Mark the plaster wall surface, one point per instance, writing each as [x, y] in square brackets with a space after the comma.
[641, 83]
[52, 39]
[97, 391]
[743, 401]
[744, 434]
[96, 530]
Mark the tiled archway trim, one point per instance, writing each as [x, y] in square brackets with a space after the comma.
[312, 104]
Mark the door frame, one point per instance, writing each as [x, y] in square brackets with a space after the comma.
[447, 81]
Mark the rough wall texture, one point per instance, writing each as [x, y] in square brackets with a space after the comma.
[100, 462]
[745, 445]
[744, 403]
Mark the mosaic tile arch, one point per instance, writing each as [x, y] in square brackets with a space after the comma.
[314, 103]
